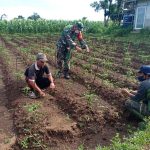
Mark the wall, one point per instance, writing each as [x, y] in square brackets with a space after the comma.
[146, 4]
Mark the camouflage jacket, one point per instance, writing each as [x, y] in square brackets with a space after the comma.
[141, 95]
[68, 37]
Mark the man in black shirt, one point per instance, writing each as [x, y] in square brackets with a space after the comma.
[38, 76]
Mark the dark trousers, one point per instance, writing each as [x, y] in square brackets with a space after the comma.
[43, 82]
[137, 106]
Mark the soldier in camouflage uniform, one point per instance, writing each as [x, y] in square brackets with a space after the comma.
[65, 45]
[139, 102]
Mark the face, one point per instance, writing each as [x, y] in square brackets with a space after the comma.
[141, 77]
[40, 63]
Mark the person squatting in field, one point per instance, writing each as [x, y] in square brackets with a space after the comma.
[39, 77]
[139, 102]
[65, 45]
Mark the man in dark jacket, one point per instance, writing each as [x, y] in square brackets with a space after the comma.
[38, 76]
[65, 45]
[139, 102]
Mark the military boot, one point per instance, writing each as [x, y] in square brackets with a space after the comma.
[66, 75]
[59, 74]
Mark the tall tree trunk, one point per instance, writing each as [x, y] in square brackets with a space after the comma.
[105, 20]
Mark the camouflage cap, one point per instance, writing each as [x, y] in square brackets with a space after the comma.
[80, 26]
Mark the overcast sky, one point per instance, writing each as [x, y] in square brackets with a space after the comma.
[50, 9]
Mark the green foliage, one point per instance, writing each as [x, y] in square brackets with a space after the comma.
[116, 30]
[145, 32]
[19, 75]
[54, 26]
[26, 90]
[3, 26]
[129, 73]
[25, 142]
[90, 97]
[35, 16]
[45, 26]
[107, 63]
[127, 58]
[94, 27]
[81, 147]
[137, 141]
[32, 107]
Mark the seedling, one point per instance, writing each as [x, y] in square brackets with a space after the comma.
[90, 97]
[26, 90]
[32, 107]
[81, 147]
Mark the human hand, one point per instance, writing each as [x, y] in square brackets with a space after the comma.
[68, 48]
[74, 44]
[125, 92]
[133, 92]
[87, 49]
[52, 85]
[78, 48]
[42, 94]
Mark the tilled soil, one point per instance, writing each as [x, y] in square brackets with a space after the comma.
[62, 120]
[7, 135]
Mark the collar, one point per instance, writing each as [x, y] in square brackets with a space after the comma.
[36, 67]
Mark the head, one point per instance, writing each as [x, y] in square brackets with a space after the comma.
[79, 27]
[144, 73]
[41, 59]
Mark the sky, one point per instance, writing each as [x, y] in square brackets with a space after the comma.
[51, 9]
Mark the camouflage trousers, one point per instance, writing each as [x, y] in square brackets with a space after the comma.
[137, 106]
[63, 58]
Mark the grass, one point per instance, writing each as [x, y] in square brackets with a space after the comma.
[136, 38]
[136, 141]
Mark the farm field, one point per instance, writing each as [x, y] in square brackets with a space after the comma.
[85, 111]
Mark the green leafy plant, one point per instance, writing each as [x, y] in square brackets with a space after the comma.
[90, 97]
[129, 73]
[32, 107]
[25, 142]
[107, 63]
[26, 90]
[127, 59]
[19, 75]
[81, 147]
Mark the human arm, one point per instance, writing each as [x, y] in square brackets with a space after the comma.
[136, 95]
[78, 48]
[30, 78]
[128, 92]
[52, 85]
[82, 42]
[141, 93]
[35, 87]
[49, 76]
[68, 37]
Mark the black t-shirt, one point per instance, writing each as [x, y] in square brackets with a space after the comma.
[35, 73]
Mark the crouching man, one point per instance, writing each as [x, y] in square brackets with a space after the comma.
[39, 77]
[139, 102]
